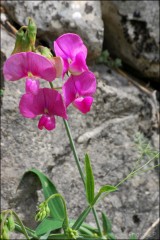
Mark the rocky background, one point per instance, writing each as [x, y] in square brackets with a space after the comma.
[123, 106]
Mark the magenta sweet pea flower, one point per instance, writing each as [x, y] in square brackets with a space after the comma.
[30, 64]
[79, 90]
[72, 50]
[47, 102]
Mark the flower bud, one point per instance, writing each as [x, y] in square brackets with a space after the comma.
[73, 234]
[25, 38]
[32, 31]
[19, 41]
[47, 210]
[44, 51]
[43, 215]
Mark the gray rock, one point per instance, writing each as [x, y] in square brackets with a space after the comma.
[106, 134]
[115, 118]
[132, 34]
[7, 42]
[54, 18]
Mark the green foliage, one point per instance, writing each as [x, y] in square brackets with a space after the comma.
[55, 205]
[89, 180]
[48, 225]
[81, 218]
[106, 59]
[107, 226]
[104, 189]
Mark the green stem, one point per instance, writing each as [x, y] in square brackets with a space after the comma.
[80, 169]
[97, 221]
[22, 226]
[74, 150]
[29, 231]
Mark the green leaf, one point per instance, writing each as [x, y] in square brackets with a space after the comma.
[133, 236]
[107, 188]
[84, 228]
[104, 189]
[111, 236]
[45, 236]
[48, 225]
[107, 226]
[81, 218]
[89, 180]
[55, 205]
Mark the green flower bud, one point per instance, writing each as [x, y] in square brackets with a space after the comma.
[25, 38]
[37, 216]
[32, 31]
[19, 41]
[47, 210]
[44, 51]
[41, 205]
[11, 223]
[73, 234]
[43, 215]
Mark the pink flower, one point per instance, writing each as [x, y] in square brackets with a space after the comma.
[30, 64]
[79, 90]
[72, 50]
[32, 86]
[47, 102]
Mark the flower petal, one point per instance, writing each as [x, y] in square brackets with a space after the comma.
[54, 103]
[85, 83]
[83, 104]
[69, 91]
[78, 65]
[40, 66]
[47, 122]
[32, 105]
[32, 86]
[58, 64]
[20, 64]
[68, 45]
[15, 67]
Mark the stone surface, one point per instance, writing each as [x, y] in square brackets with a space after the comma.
[116, 116]
[54, 18]
[132, 34]
[106, 134]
